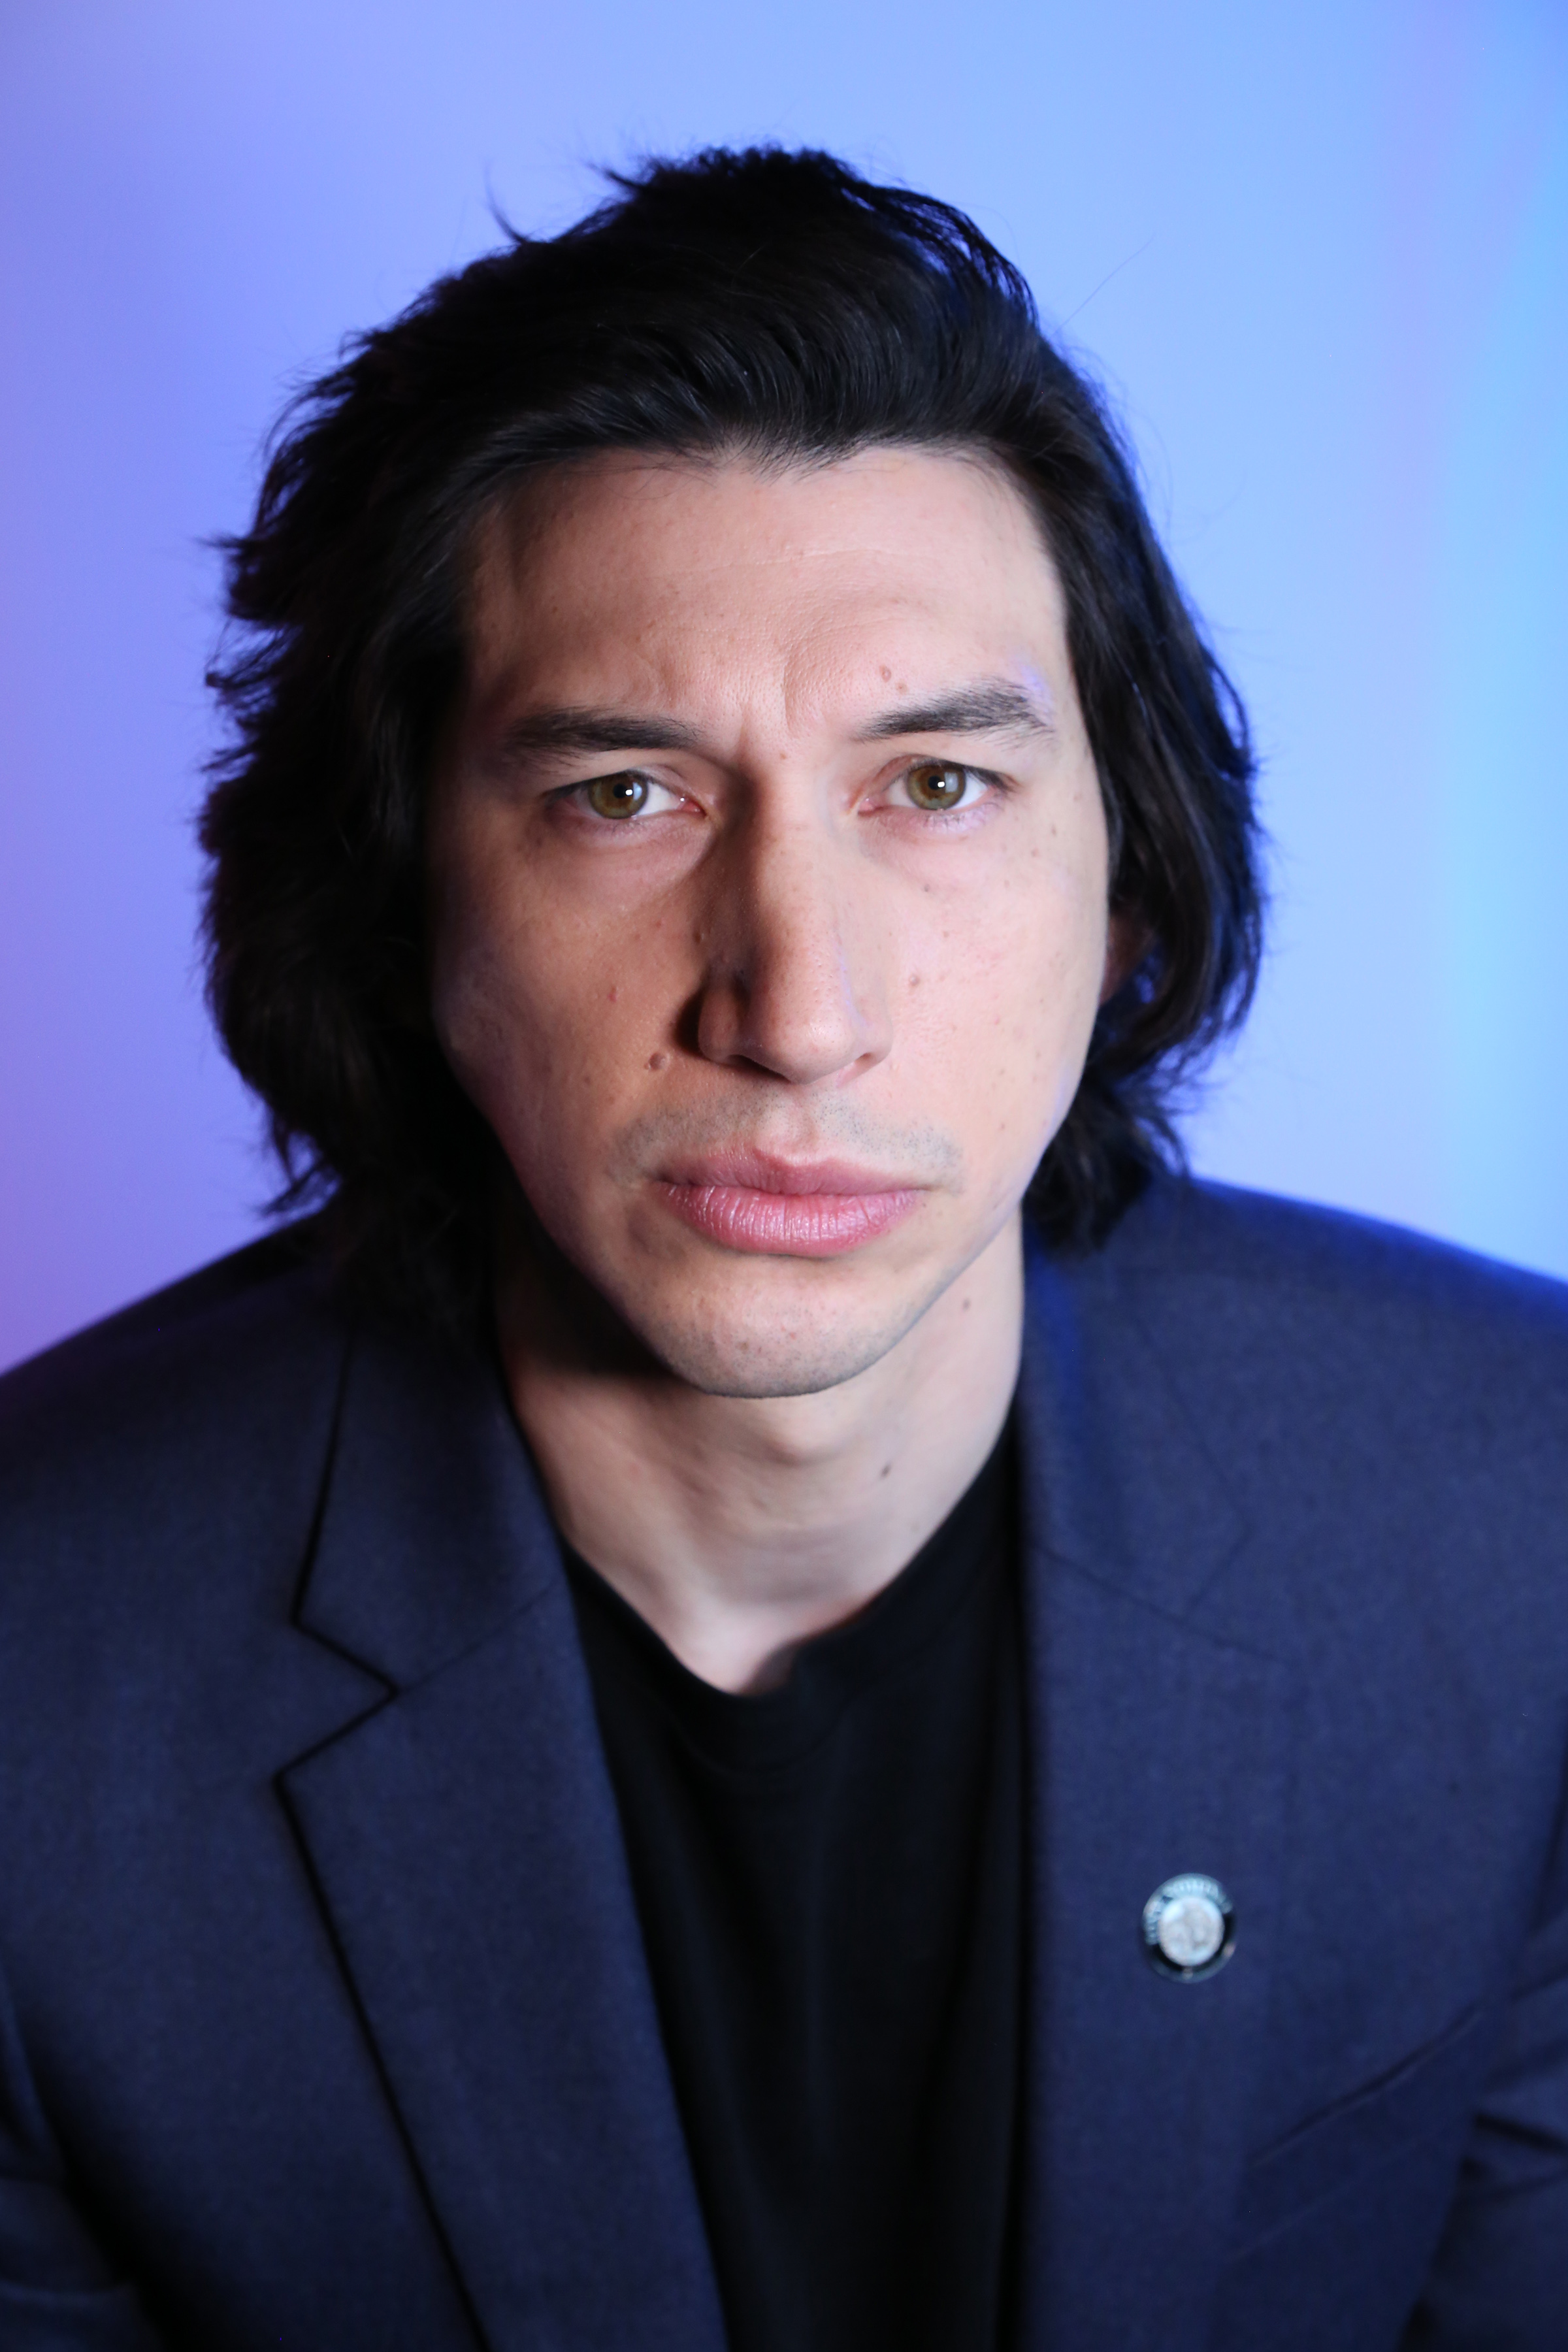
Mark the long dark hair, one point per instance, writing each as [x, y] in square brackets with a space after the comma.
[764, 302]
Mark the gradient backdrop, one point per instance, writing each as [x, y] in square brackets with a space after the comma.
[1320, 252]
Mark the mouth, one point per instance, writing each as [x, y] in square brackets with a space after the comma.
[821, 1208]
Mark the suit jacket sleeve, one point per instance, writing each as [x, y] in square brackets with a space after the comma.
[1500, 2280]
[59, 2291]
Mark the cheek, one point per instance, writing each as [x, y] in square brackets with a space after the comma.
[495, 991]
[1020, 960]
[538, 1011]
[1001, 1002]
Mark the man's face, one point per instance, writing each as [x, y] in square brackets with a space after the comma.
[768, 890]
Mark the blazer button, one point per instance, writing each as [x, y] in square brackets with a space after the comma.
[1189, 1928]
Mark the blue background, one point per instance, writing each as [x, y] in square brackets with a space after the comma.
[1320, 254]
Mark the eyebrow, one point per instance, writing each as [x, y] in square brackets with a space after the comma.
[590, 731]
[993, 706]
[989, 707]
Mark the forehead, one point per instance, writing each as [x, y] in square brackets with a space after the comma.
[702, 581]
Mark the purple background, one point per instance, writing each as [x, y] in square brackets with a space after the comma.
[1320, 254]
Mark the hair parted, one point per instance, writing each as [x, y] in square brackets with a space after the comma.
[764, 303]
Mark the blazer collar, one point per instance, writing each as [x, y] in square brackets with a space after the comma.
[1137, 1496]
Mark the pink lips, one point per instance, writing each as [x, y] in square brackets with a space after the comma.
[819, 1211]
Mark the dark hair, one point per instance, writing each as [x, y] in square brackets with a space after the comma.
[764, 302]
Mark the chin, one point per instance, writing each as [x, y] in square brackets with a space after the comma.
[765, 1350]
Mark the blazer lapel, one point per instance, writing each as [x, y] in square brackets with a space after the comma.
[1159, 1713]
[465, 1845]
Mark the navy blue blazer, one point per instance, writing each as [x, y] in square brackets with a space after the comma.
[325, 2021]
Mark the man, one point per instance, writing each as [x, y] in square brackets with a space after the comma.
[767, 1689]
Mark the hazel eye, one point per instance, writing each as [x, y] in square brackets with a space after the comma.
[620, 795]
[937, 785]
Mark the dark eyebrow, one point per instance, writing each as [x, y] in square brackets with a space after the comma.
[588, 731]
[993, 706]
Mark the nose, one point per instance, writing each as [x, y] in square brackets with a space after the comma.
[794, 985]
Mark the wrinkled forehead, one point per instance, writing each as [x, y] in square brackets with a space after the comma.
[695, 581]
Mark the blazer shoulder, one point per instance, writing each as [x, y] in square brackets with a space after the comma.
[1189, 1231]
[1376, 1352]
[212, 1387]
[192, 1299]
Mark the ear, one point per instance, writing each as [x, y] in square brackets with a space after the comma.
[1126, 945]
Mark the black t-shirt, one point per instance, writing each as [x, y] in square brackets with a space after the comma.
[827, 1876]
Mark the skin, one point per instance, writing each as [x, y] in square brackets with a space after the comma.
[750, 1402]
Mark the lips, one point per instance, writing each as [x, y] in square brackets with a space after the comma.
[772, 1210]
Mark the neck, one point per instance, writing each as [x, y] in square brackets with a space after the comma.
[740, 1526]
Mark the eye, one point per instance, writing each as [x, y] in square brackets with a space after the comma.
[940, 785]
[626, 793]
[620, 795]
